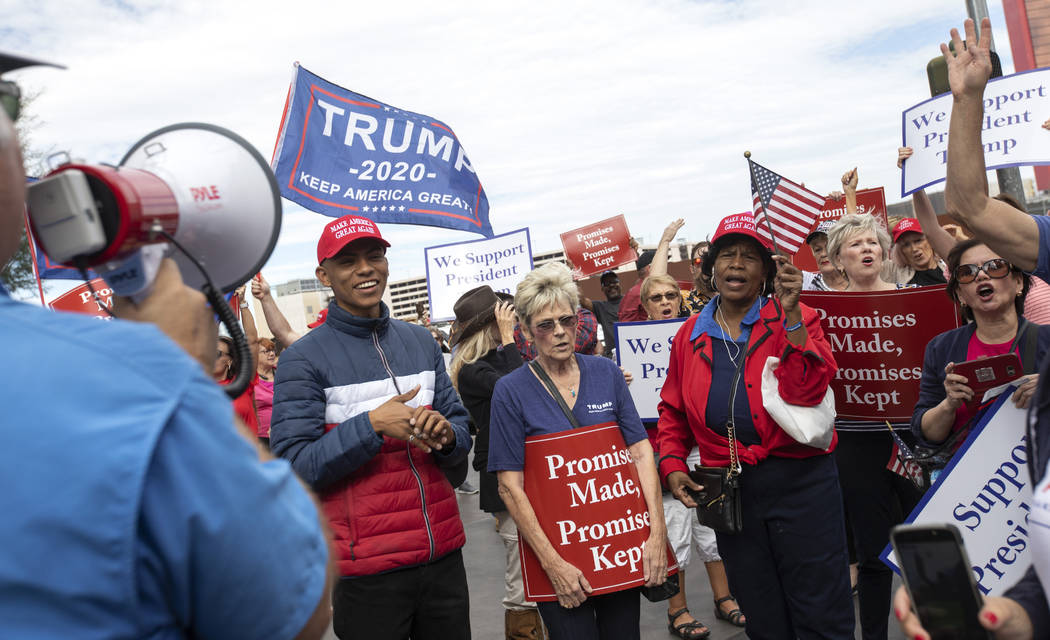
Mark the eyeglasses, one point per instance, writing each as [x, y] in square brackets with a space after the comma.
[697, 261]
[670, 297]
[11, 97]
[547, 326]
[995, 268]
[222, 354]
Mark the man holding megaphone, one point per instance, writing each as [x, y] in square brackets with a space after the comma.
[132, 506]
[368, 417]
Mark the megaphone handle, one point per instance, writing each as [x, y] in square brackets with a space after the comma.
[240, 343]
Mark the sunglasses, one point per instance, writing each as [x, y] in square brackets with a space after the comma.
[995, 268]
[11, 98]
[547, 326]
[697, 261]
[670, 297]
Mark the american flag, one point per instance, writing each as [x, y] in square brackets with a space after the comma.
[791, 209]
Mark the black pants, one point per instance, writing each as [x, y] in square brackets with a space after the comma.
[788, 567]
[425, 602]
[877, 499]
[611, 616]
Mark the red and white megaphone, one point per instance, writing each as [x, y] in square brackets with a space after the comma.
[199, 187]
[202, 185]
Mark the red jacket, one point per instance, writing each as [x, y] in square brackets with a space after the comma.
[803, 374]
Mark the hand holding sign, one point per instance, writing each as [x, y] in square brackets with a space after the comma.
[969, 66]
[1023, 396]
[569, 583]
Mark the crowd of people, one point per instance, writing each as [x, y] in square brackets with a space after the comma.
[326, 494]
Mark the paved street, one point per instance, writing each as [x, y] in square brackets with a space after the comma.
[483, 556]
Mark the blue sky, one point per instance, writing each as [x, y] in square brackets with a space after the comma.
[570, 111]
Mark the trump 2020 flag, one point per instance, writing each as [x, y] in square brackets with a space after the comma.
[340, 152]
[784, 207]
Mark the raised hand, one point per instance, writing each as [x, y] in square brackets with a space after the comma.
[260, 287]
[849, 180]
[787, 285]
[505, 321]
[970, 65]
[671, 231]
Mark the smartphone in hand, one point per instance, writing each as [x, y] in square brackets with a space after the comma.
[938, 577]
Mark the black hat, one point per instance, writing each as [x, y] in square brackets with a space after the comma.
[606, 275]
[474, 309]
[644, 260]
[12, 61]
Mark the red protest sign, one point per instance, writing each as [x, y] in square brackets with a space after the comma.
[879, 339]
[871, 201]
[599, 247]
[80, 300]
[584, 488]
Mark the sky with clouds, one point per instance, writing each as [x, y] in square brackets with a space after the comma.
[570, 111]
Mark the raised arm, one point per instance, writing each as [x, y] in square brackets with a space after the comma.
[1012, 234]
[659, 263]
[849, 187]
[275, 320]
[251, 333]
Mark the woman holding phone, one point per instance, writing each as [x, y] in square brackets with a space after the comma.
[990, 292]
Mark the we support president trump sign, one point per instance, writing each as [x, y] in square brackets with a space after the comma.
[341, 152]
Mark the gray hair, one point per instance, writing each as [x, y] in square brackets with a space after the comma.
[850, 225]
[545, 286]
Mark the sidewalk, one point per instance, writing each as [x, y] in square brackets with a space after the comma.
[483, 557]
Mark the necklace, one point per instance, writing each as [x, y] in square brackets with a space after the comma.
[724, 324]
[570, 387]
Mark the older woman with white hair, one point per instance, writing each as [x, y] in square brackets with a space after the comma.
[877, 497]
[594, 392]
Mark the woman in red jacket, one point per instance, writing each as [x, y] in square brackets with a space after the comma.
[787, 565]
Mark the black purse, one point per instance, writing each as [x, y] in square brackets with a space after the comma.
[718, 503]
[670, 586]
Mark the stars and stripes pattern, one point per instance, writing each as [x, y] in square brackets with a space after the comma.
[791, 209]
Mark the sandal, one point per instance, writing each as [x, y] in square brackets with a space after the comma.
[686, 630]
[733, 617]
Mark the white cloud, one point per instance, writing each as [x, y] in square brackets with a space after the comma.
[570, 111]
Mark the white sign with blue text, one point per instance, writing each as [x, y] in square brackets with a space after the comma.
[986, 493]
[644, 349]
[1015, 108]
[454, 269]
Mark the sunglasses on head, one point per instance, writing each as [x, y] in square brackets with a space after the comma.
[547, 326]
[995, 268]
[11, 98]
[657, 297]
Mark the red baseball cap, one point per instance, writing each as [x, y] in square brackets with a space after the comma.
[740, 224]
[321, 317]
[906, 225]
[341, 232]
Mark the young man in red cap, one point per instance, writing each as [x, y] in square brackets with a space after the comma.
[367, 416]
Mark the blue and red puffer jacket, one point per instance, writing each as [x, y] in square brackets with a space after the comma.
[388, 503]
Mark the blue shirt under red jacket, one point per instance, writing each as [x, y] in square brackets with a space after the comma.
[388, 503]
[803, 375]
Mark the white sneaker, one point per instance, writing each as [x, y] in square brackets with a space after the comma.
[466, 488]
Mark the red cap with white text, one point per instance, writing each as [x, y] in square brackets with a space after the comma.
[339, 233]
[740, 224]
[321, 317]
[906, 225]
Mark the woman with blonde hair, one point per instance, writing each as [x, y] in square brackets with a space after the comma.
[485, 352]
[876, 496]
[590, 390]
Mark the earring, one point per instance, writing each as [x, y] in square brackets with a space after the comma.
[713, 286]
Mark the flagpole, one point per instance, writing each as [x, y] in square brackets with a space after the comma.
[765, 214]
